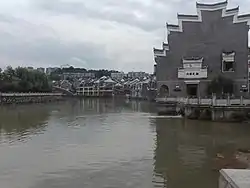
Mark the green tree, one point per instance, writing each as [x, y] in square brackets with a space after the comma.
[54, 77]
[23, 80]
[9, 73]
[1, 76]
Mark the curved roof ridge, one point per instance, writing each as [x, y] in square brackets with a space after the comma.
[164, 43]
[212, 4]
[192, 58]
[244, 15]
[233, 9]
[159, 50]
[187, 15]
[172, 25]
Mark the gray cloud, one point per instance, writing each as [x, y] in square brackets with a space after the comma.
[126, 12]
[88, 33]
[53, 52]
[33, 45]
[60, 6]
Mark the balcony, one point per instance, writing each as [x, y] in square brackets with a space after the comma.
[192, 73]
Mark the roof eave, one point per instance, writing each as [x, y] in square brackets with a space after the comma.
[214, 5]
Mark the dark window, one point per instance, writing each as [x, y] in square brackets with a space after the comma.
[228, 66]
[192, 89]
[197, 73]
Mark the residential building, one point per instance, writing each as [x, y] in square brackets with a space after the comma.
[200, 48]
[78, 75]
[248, 69]
[145, 89]
[65, 84]
[154, 73]
[30, 68]
[103, 87]
[50, 70]
[117, 75]
[41, 69]
[134, 75]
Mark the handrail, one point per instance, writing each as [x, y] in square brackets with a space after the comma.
[29, 94]
[208, 101]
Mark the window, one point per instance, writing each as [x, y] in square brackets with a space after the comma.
[228, 61]
[192, 73]
[228, 66]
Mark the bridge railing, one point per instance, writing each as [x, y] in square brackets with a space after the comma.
[29, 94]
[201, 101]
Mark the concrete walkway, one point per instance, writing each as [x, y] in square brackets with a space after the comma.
[232, 178]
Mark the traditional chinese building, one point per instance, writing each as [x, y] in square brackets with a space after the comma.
[201, 47]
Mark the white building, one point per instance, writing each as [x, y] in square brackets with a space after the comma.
[103, 87]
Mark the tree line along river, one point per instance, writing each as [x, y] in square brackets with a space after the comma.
[110, 143]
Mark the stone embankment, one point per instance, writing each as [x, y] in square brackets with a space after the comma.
[229, 110]
[234, 114]
[21, 98]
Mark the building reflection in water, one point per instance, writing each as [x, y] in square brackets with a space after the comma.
[114, 105]
[185, 151]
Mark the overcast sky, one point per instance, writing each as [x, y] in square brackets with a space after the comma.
[112, 34]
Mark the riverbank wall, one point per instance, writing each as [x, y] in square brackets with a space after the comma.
[223, 114]
[23, 98]
[235, 110]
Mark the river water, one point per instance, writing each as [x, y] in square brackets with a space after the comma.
[96, 143]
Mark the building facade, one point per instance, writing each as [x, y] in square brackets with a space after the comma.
[202, 47]
[65, 84]
[41, 70]
[134, 75]
[50, 70]
[30, 68]
[103, 87]
[77, 75]
[117, 75]
[248, 68]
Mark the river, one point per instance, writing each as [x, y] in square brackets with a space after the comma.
[97, 143]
